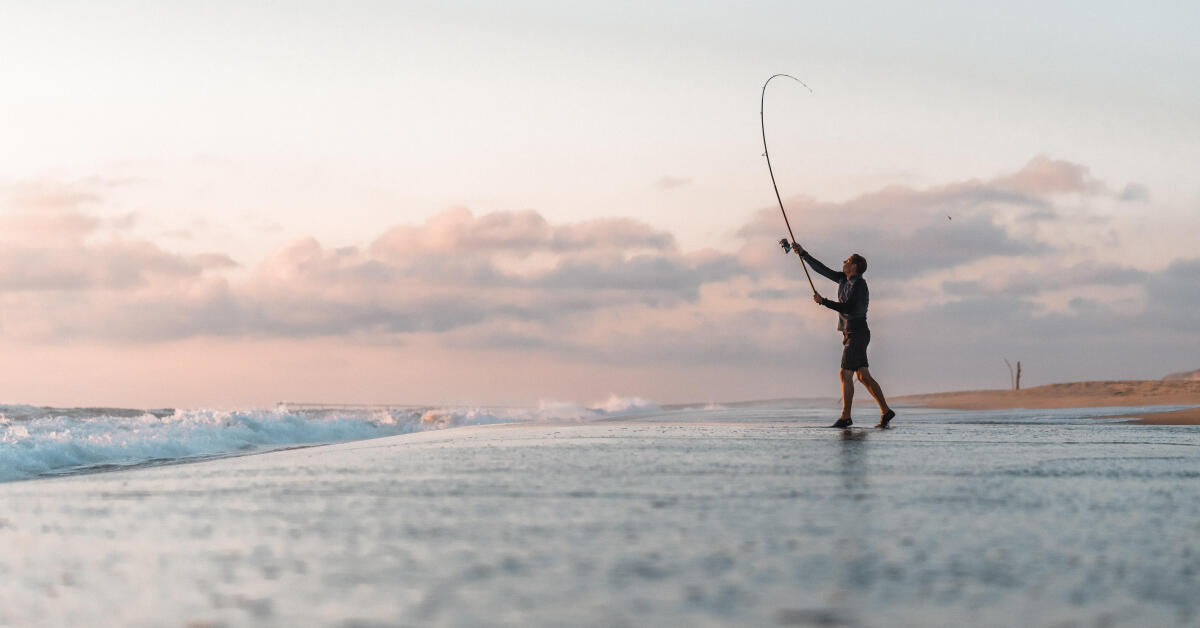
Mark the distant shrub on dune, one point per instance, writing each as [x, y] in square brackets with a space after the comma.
[1190, 376]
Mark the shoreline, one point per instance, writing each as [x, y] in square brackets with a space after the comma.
[1187, 416]
[768, 518]
[1094, 394]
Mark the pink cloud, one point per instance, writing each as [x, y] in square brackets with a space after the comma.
[1043, 176]
[668, 182]
[62, 250]
[520, 233]
[611, 291]
[49, 195]
[906, 231]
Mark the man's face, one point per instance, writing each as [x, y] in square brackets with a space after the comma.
[849, 267]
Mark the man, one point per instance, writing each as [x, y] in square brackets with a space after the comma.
[851, 307]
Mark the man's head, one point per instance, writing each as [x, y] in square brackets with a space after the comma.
[854, 265]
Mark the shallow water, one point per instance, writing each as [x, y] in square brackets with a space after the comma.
[748, 516]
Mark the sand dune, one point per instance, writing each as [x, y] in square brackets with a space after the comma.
[1193, 376]
[1079, 395]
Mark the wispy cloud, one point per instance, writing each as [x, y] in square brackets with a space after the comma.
[1134, 193]
[47, 194]
[668, 182]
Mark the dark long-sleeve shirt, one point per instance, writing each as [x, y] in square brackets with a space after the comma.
[853, 296]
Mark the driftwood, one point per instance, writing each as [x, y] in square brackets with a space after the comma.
[1014, 379]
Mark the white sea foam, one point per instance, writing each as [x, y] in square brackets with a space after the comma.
[53, 441]
[44, 441]
[563, 410]
[615, 405]
[625, 405]
[37, 441]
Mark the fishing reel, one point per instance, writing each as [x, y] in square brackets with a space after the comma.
[788, 247]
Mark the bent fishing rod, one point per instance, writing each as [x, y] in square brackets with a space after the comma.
[786, 244]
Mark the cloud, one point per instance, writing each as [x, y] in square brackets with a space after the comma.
[1173, 297]
[753, 336]
[668, 182]
[1043, 177]
[660, 278]
[48, 195]
[520, 233]
[61, 251]
[457, 270]
[1144, 333]
[1134, 193]
[908, 232]
[35, 227]
[40, 196]
[937, 247]
[905, 231]
[1000, 278]
[1023, 283]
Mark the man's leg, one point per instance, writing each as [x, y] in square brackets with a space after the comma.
[864, 376]
[847, 392]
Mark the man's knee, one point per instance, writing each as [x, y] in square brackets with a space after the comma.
[864, 375]
[847, 375]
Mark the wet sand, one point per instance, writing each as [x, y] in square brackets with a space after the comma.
[1079, 395]
[1190, 416]
[722, 517]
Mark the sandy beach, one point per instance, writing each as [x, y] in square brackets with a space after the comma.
[1080, 395]
[1189, 416]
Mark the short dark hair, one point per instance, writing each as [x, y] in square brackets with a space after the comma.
[860, 262]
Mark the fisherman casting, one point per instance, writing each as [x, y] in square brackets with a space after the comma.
[851, 306]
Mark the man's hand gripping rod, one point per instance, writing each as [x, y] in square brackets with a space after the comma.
[789, 247]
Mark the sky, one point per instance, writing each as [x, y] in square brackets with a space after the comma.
[242, 203]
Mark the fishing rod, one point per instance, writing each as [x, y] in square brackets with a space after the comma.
[786, 244]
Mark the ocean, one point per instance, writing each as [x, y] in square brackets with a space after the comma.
[41, 442]
[618, 513]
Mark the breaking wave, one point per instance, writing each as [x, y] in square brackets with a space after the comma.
[39, 442]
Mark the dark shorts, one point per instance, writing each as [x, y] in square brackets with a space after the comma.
[854, 354]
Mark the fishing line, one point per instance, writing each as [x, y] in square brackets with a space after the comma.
[761, 106]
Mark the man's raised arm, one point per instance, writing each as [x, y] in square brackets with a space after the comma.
[828, 272]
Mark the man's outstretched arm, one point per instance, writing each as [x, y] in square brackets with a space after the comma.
[852, 301]
[822, 269]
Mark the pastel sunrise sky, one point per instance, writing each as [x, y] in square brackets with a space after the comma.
[240, 203]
